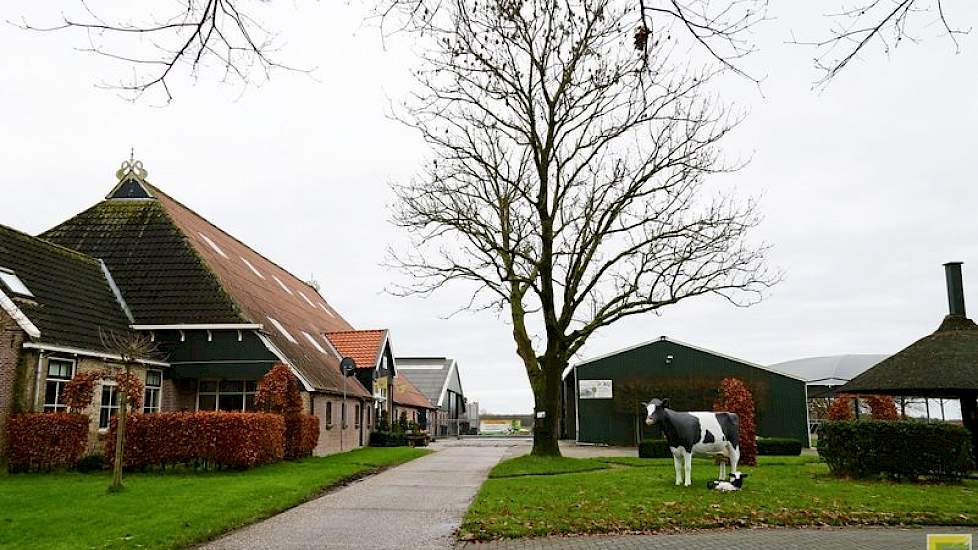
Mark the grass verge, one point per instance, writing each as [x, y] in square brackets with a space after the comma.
[529, 465]
[639, 495]
[167, 510]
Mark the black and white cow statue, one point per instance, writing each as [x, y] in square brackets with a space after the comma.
[696, 432]
[734, 484]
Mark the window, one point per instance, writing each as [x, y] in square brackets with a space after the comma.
[226, 395]
[213, 245]
[343, 415]
[368, 417]
[151, 399]
[60, 372]
[282, 330]
[13, 282]
[281, 284]
[252, 268]
[329, 413]
[110, 404]
[356, 419]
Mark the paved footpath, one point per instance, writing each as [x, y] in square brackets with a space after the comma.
[743, 539]
[416, 505]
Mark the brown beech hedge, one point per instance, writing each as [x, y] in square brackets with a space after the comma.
[44, 441]
[202, 439]
[301, 435]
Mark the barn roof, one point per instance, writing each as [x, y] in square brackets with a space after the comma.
[431, 375]
[678, 343]
[832, 370]
[175, 267]
[405, 393]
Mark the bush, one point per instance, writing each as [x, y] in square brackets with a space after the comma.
[654, 448]
[841, 407]
[900, 449]
[388, 439]
[92, 463]
[779, 446]
[882, 407]
[736, 398]
[205, 439]
[301, 435]
[44, 441]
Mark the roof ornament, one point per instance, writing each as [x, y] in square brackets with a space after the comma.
[131, 170]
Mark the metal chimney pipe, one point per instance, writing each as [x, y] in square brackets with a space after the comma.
[955, 288]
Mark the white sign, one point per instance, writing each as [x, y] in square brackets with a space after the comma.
[595, 389]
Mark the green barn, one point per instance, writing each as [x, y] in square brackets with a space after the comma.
[601, 402]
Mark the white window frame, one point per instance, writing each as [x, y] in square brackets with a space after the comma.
[217, 393]
[101, 403]
[159, 393]
[57, 406]
[14, 283]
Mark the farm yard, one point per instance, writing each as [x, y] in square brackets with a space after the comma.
[535, 497]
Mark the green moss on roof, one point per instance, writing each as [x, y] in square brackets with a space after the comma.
[160, 275]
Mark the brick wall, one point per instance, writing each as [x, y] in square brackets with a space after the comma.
[11, 339]
[329, 429]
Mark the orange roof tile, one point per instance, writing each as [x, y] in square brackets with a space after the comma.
[364, 346]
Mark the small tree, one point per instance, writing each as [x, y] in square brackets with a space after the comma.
[130, 347]
[77, 394]
[278, 392]
[882, 407]
[841, 407]
[736, 398]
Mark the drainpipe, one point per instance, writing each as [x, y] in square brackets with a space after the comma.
[37, 380]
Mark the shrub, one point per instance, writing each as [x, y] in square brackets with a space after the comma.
[92, 463]
[841, 407]
[900, 449]
[278, 392]
[301, 435]
[205, 439]
[736, 398]
[654, 448]
[43, 441]
[778, 446]
[882, 407]
[388, 439]
[78, 392]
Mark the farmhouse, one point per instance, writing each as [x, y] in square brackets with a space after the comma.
[221, 314]
[602, 397]
[438, 379]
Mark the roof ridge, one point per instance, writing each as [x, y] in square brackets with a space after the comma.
[354, 331]
[235, 239]
[56, 246]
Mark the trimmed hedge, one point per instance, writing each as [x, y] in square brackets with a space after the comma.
[901, 449]
[301, 435]
[654, 448]
[45, 441]
[778, 446]
[388, 439]
[205, 439]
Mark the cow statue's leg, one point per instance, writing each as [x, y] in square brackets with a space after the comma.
[676, 459]
[689, 468]
[734, 458]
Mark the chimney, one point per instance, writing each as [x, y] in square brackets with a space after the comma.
[955, 288]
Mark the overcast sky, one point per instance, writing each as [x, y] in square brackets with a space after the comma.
[867, 187]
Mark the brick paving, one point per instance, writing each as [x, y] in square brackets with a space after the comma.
[744, 539]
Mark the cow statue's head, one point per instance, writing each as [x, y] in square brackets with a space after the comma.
[656, 409]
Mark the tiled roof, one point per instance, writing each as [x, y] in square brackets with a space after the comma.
[163, 279]
[364, 346]
[405, 393]
[175, 267]
[72, 298]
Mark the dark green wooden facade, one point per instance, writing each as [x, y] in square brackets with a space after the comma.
[689, 377]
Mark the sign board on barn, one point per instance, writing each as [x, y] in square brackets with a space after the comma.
[595, 389]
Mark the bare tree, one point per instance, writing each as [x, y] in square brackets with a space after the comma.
[130, 347]
[566, 179]
[885, 23]
[188, 35]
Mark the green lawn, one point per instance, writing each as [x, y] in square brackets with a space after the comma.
[634, 494]
[168, 510]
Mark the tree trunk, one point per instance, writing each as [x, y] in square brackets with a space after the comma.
[120, 438]
[546, 395]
